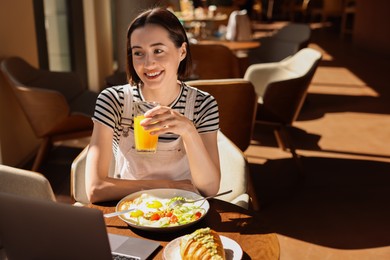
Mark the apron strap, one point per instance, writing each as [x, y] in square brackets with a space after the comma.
[190, 103]
[127, 116]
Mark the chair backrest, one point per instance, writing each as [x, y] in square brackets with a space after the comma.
[282, 86]
[284, 43]
[53, 102]
[239, 26]
[237, 101]
[214, 61]
[234, 171]
[77, 178]
[43, 107]
[25, 183]
[327, 6]
[20, 73]
[298, 33]
[271, 50]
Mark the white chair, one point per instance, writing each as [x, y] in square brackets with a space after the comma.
[239, 27]
[24, 183]
[282, 88]
[234, 169]
[234, 173]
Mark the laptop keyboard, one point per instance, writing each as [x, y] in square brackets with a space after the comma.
[123, 257]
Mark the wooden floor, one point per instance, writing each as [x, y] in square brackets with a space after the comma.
[341, 210]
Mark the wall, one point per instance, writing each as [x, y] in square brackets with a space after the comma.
[371, 30]
[98, 37]
[17, 38]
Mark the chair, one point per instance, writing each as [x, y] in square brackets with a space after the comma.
[282, 88]
[237, 103]
[239, 26]
[349, 10]
[296, 7]
[325, 9]
[285, 42]
[234, 170]
[24, 183]
[214, 61]
[56, 104]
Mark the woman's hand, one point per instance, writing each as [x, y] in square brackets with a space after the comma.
[163, 119]
[202, 150]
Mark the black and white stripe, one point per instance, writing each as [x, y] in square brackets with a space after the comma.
[109, 109]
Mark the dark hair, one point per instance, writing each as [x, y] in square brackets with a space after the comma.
[177, 34]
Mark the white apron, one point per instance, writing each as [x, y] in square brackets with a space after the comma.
[169, 162]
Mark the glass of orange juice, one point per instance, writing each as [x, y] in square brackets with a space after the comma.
[144, 141]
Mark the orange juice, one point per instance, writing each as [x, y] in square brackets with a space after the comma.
[144, 141]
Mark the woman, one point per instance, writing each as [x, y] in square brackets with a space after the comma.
[186, 120]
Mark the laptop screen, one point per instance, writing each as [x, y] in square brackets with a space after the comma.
[39, 229]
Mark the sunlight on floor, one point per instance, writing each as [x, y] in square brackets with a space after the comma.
[339, 81]
[344, 135]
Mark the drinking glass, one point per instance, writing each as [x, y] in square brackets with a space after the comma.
[144, 141]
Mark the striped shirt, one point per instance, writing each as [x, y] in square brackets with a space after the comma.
[110, 104]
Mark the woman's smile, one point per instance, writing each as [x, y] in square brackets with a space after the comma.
[153, 75]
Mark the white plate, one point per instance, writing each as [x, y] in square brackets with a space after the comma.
[164, 194]
[232, 249]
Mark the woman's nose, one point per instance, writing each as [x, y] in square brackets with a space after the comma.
[149, 61]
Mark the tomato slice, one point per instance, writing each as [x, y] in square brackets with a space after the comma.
[155, 217]
[197, 215]
[174, 219]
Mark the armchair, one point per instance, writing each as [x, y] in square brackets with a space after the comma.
[237, 102]
[284, 43]
[214, 61]
[282, 88]
[24, 183]
[56, 104]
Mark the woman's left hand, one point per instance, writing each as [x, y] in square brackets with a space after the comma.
[163, 119]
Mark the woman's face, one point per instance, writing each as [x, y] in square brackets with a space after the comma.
[155, 57]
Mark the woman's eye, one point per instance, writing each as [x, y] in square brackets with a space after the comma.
[137, 53]
[158, 51]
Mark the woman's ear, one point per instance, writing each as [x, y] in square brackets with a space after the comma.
[183, 51]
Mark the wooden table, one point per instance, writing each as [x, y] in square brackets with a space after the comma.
[202, 18]
[233, 45]
[227, 219]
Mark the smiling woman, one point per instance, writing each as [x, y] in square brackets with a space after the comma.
[186, 121]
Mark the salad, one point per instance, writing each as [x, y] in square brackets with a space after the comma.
[152, 211]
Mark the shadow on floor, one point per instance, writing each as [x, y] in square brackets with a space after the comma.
[56, 168]
[341, 203]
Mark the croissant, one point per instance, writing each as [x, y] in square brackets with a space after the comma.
[202, 244]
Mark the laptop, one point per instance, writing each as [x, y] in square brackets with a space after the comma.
[40, 229]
